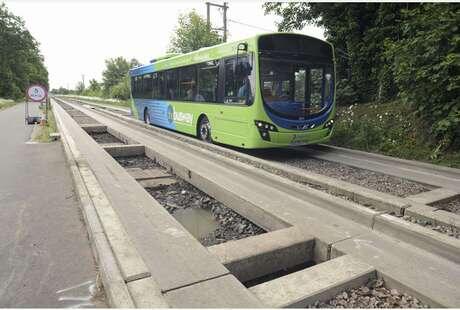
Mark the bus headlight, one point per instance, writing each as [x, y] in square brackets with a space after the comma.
[264, 129]
[329, 124]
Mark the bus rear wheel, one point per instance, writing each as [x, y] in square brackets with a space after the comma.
[204, 130]
[146, 116]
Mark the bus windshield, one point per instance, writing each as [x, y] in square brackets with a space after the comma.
[296, 75]
[294, 89]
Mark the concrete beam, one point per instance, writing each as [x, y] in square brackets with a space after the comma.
[94, 128]
[419, 236]
[436, 216]
[257, 256]
[318, 283]
[147, 174]
[221, 292]
[436, 195]
[147, 294]
[125, 150]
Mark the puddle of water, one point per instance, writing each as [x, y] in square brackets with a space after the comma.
[198, 222]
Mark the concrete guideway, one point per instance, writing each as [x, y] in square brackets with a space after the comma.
[409, 232]
[205, 171]
[424, 173]
[175, 259]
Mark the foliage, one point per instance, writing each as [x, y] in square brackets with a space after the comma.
[426, 66]
[80, 88]
[121, 91]
[387, 51]
[20, 60]
[115, 79]
[390, 128]
[357, 31]
[192, 33]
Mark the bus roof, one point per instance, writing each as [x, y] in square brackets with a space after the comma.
[203, 54]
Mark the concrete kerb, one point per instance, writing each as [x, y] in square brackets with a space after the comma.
[115, 276]
[419, 236]
[114, 285]
[433, 215]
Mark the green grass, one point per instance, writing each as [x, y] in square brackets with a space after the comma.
[45, 131]
[390, 129]
[6, 103]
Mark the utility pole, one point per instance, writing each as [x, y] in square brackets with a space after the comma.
[224, 7]
[83, 81]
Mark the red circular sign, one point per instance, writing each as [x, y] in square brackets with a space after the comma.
[36, 93]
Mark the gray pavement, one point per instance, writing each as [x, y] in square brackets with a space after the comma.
[45, 256]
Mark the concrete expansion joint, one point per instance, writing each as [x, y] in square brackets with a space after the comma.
[195, 283]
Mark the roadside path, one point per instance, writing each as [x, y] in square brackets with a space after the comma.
[45, 256]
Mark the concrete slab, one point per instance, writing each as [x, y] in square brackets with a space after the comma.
[257, 256]
[125, 150]
[157, 182]
[419, 236]
[318, 283]
[222, 292]
[436, 216]
[430, 278]
[146, 174]
[147, 294]
[436, 195]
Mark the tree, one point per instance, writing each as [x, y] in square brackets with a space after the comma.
[357, 31]
[94, 86]
[116, 73]
[20, 60]
[191, 34]
[116, 70]
[426, 64]
[80, 88]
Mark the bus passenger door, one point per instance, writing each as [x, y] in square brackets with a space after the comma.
[235, 92]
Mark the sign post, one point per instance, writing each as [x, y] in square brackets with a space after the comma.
[36, 93]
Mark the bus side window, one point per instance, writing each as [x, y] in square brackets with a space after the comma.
[187, 83]
[208, 73]
[172, 90]
[238, 87]
[147, 86]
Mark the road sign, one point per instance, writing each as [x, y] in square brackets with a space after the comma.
[36, 93]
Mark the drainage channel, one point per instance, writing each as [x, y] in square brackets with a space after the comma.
[287, 265]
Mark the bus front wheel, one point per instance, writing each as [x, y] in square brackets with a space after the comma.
[204, 130]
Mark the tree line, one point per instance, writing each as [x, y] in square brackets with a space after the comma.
[21, 63]
[392, 51]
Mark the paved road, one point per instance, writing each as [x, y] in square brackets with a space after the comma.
[45, 257]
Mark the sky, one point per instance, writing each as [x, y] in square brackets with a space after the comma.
[77, 36]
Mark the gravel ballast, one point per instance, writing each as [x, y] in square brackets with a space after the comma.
[105, 137]
[450, 206]
[370, 179]
[182, 195]
[372, 295]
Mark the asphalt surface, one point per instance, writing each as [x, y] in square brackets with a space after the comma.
[45, 256]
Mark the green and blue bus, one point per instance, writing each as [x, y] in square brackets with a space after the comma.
[271, 90]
